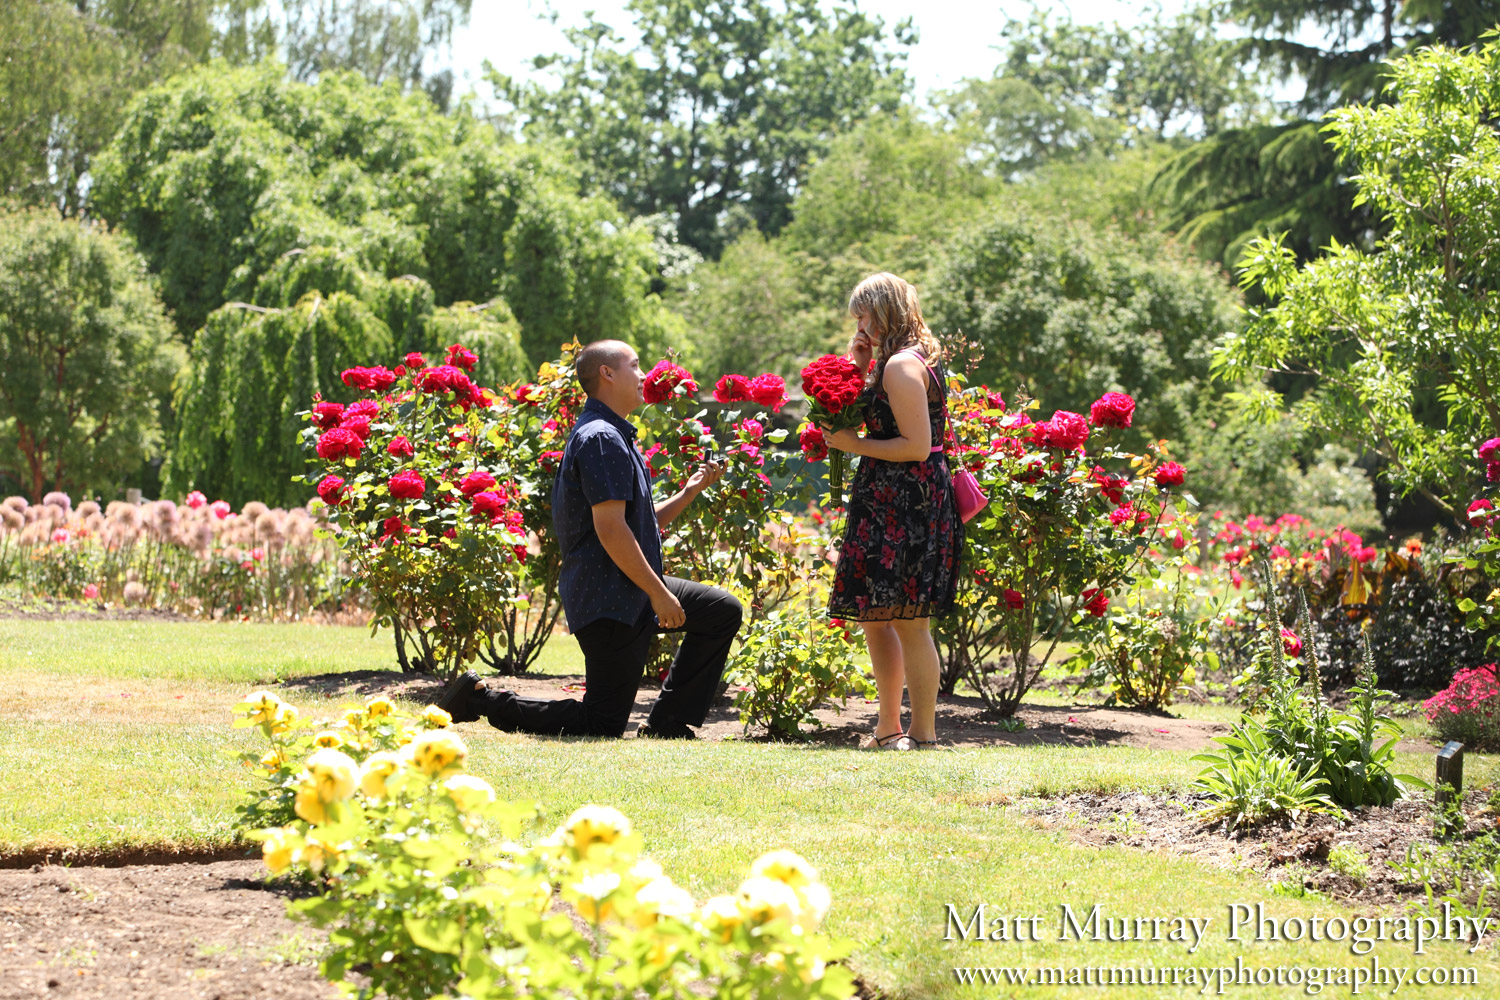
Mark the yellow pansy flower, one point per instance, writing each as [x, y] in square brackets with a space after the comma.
[379, 708]
[286, 717]
[281, 847]
[591, 894]
[762, 900]
[333, 774]
[436, 717]
[437, 751]
[329, 739]
[263, 708]
[659, 898]
[592, 826]
[468, 792]
[785, 866]
[377, 768]
[308, 805]
[721, 915]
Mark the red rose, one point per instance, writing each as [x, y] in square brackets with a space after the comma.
[769, 390]
[527, 394]
[751, 430]
[1492, 471]
[462, 357]
[1014, 599]
[1113, 409]
[1095, 602]
[400, 447]
[331, 490]
[476, 482]
[486, 504]
[377, 379]
[327, 415]
[1290, 643]
[814, 445]
[732, 389]
[1112, 488]
[550, 461]
[394, 528]
[408, 485]
[833, 381]
[1170, 474]
[358, 425]
[1066, 430]
[663, 381]
[415, 360]
[339, 443]
[1478, 510]
[444, 378]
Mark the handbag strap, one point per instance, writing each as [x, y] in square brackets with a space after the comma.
[949, 441]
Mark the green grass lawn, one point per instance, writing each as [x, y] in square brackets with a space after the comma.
[116, 734]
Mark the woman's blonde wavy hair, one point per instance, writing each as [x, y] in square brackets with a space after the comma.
[897, 315]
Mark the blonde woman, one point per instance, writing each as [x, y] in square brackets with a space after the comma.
[898, 564]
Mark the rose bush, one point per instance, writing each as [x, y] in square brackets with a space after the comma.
[1069, 528]
[790, 662]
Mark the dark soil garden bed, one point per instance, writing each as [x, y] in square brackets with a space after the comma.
[211, 931]
[1283, 853]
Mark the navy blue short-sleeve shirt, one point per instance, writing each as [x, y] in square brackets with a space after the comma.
[601, 462]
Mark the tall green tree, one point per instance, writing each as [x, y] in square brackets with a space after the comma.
[86, 353]
[1248, 182]
[1064, 313]
[379, 39]
[1400, 342]
[721, 104]
[67, 70]
[220, 173]
[1064, 90]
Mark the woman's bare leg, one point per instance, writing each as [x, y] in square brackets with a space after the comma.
[919, 657]
[886, 664]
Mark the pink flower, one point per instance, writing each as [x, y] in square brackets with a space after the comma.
[363, 408]
[357, 424]
[732, 389]
[663, 381]
[339, 443]
[1170, 474]
[752, 430]
[257, 554]
[220, 509]
[408, 485]
[1066, 430]
[1113, 409]
[527, 394]
[476, 482]
[327, 415]
[768, 390]
[400, 447]
[1488, 450]
[486, 504]
[1291, 644]
[90, 592]
[462, 357]
[814, 445]
[195, 500]
[61, 535]
[331, 490]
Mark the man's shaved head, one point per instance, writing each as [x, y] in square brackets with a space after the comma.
[611, 353]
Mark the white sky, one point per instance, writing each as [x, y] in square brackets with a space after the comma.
[957, 37]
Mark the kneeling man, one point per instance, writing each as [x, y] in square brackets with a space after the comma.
[611, 584]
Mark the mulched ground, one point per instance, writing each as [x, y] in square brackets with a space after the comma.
[1281, 853]
[174, 932]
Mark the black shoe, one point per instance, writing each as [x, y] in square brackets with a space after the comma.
[665, 731]
[463, 697]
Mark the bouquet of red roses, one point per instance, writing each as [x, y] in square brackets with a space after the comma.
[832, 383]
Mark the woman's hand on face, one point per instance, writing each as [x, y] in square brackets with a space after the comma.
[861, 350]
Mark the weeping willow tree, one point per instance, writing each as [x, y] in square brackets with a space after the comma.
[255, 364]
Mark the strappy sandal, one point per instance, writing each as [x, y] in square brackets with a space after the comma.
[924, 744]
[895, 741]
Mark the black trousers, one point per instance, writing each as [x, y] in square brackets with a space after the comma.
[614, 658]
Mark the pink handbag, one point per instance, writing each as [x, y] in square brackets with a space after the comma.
[971, 499]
